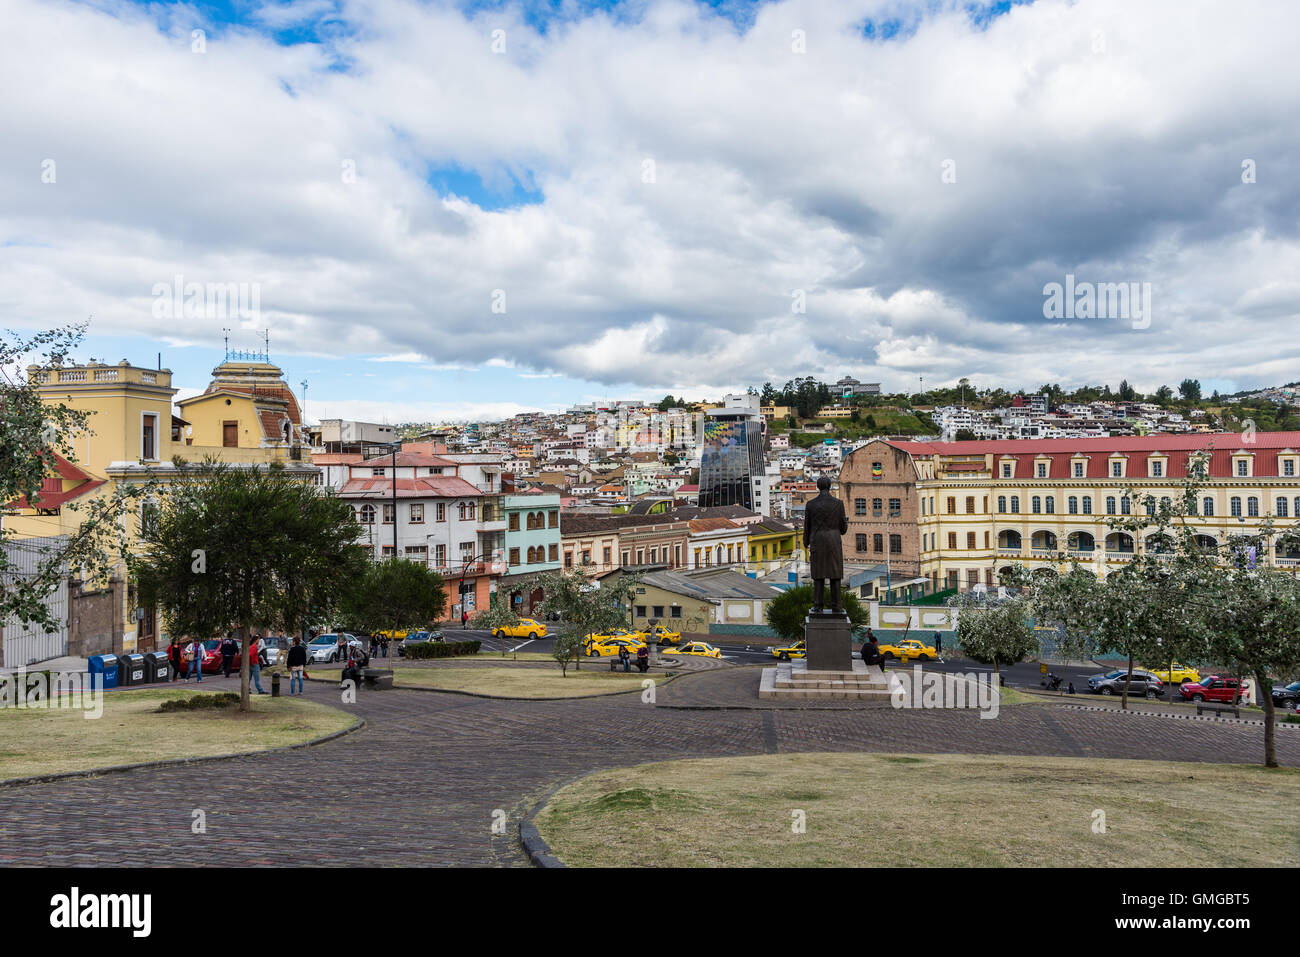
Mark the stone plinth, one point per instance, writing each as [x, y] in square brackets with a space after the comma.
[795, 679]
[829, 642]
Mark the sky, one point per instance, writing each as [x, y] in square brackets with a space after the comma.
[444, 211]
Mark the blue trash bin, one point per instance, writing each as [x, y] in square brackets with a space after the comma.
[103, 671]
[130, 670]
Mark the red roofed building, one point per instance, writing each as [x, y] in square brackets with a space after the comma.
[958, 513]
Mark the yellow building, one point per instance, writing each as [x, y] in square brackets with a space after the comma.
[133, 436]
[771, 543]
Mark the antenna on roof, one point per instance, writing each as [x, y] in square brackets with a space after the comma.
[227, 332]
[266, 339]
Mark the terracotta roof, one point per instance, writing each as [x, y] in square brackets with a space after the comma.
[409, 459]
[711, 524]
[335, 458]
[52, 494]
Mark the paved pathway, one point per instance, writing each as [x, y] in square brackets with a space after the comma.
[418, 786]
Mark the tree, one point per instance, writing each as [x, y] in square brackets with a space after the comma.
[587, 606]
[965, 435]
[666, 403]
[785, 614]
[234, 546]
[1126, 392]
[1164, 395]
[33, 434]
[993, 630]
[1190, 389]
[395, 594]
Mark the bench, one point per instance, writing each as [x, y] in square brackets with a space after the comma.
[1202, 706]
[378, 679]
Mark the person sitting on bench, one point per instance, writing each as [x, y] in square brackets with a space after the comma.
[871, 653]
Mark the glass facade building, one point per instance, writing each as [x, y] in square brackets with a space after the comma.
[731, 456]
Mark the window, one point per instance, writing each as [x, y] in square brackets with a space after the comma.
[1235, 506]
[859, 506]
[1281, 508]
[568, 559]
[654, 556]
[658, 611]
[1050, 503]
[895, 544]
[639, 611]
[952, 540]
[388, 551]
[366, 515]
[148, 519]
[553, 519]
[378, 473]
[1072, 505]
[895, 506]
[674, 611]
[417, 514]
[1252, 507]
[553, 553]
[876, 505]
[149, 437]
[1036, 505]
[1288, 466]
[390, 515]
[1087, 505]
[970, 540]
[952, 505]
[627, 557]
[417, 553]
[440, 556]
[1117, 469]
[1006, 470]
[1002, 503]
[1042, 470]
[1124, 505]
[1015, 505]
[440, 514]
[878, 543]
[1110, 504]
[1150, 506]
[1207, 507]
[860, 542]
[1157, 469]
[970, 504]
[586, 556]
[1078, 470]
[605, 556]
[1243, 467]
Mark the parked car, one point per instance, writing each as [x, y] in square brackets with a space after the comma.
[277, 648]
[416, 637]
[1212, 688]
[1142, 683]
[909, 649]
[326, 648]
[797, 650]
[597, 646]
[527, 628]
[1287, 696]
[212, 656]
[660, 635]
[1178, 674]
[701, 648]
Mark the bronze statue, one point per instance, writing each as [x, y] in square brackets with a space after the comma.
[824, 525]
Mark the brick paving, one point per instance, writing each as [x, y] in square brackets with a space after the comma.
[419, 784]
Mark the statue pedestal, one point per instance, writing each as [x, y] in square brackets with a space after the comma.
[829, 642]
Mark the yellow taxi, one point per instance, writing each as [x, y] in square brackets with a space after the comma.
[909, 650]
[660, 635]
[388, 633]
[1178, 674]
[600, 646]
[527, 628]
[797, 650]
[701, 648]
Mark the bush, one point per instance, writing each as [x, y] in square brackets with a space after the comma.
[224, 699]
[1292, 719]
[442, 649]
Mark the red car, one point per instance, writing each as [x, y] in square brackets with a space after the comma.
[1212, 688]
[212, 664]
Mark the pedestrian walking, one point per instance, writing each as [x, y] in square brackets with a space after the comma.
[383, 645]
[255, 653]
[938, 644]
[228, 649]
[194, 656]
[464, 619]
[374, 646]
[177, 657]
[297, 663]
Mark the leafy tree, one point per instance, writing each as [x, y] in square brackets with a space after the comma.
[498, 616]
[666, 403]
[965, 435]
[1126, 392]
[1164, 395]
[588, 607]
[993, 630]
[33, 432]
[567, 648]
[1190, 389]
[786, 613]
[234, 546]
[396, 594]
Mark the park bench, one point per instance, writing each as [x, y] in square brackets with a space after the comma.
[1216, 709]
[378, 679]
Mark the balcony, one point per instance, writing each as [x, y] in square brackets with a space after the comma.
[1009, 551]
[492, 525]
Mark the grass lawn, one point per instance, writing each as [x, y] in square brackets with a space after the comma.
[873, 810]
[131, 730]
[507, 682]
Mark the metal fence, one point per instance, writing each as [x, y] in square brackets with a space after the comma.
[23, 644]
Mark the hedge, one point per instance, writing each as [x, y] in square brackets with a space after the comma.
[441, 649]
[225, 699]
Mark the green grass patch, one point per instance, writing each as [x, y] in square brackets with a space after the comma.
[507, 682]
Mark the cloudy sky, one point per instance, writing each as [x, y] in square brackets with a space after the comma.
[452, 210]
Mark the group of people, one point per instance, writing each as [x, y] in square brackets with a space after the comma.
[378, 646]
[188, 657]
[642, 658]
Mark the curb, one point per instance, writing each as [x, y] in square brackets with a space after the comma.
[497, 697]
[1180, 717]
[357, 725]
[538, 851]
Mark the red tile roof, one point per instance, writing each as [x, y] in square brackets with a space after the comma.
[409, 459]
[52, 494]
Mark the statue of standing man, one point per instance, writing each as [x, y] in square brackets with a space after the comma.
[824, 525]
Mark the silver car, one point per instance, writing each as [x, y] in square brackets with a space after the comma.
[325, 648]
[1143, 683]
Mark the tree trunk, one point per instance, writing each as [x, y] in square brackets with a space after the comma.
[1128, 678]
[245, 703]
[1264, 688]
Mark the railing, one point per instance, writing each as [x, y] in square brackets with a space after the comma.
[106, 375]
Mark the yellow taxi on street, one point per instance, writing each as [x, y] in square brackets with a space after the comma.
[527, 628]
[602, 646]
[908, 650]
[701, 648]
[1178, 674]
[660, 635]
[797, 650]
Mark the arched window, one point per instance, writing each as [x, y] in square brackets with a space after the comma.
[1087, 505]
[366, 515]
[1050, 503]
[1150, 504]
[1235, 504]
[1110, 504]
[1036, 504]
[1072, 504]
[1252, 507]
[1207, 507]
[1124, 505]
[1002, 503]
[1281, 508]
[1015, 504]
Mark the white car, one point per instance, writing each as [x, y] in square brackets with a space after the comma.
[325, 648]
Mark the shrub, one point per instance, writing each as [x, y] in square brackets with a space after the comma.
[1292, 719]
[224, 699]
[442, 649]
